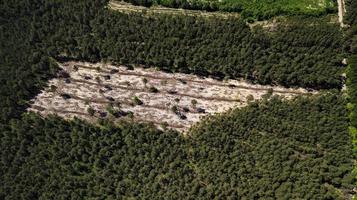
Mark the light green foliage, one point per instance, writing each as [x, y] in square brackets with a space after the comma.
[137, 101]
[258, 9]
[110, 109]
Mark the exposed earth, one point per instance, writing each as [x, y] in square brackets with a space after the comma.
[91, 91]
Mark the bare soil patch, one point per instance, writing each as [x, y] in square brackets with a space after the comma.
[93, 91]
[341, 11]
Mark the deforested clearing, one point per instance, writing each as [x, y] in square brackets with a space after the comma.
[104, 91]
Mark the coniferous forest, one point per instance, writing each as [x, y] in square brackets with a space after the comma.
[272, 149]
[351, 83]
[304, 153]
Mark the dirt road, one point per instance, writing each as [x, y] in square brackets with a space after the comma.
[341, 11]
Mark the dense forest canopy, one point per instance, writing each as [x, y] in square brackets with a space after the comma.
[351, 14]
[269, 150]
[292, 55]
[272, 149]
[351, 19]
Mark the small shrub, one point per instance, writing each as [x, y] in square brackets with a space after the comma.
[201, 110]
[137, 101]
[65, 96]
[164, 125]
[153, 89]
[113, 71]
[108, 87]
[90, 111]
[129, 67]
[172, 92]
[110, 98]
[163, 82]
[97, 79]
[145, 81]
[185, 109]
[194, 102]
[103, 114]
[53, 88]
[250, 98]
[174, 109]
[110, 109]
[63, 74]
[181, 116]
[268, 94]
[182, 81]
[130, 114]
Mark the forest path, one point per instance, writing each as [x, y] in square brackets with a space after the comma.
[341, 11]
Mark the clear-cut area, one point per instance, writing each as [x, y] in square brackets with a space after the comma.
[103, 91]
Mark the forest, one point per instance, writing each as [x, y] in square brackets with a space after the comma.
[351, 19]
[351, 14]
[304, 153]
[258, 10]
[292, 55]
[273, 149]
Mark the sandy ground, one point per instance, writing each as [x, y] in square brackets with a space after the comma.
[341, 11]
[180, 100]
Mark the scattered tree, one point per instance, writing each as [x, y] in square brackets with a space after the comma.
[90, 111]
[137, 101]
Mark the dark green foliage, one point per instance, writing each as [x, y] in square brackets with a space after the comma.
[352, 93]
[55, 159]
[90, 111]
[264, 150]
[351, 12]
[153, 89]
[30, 32]
[305, 139]
[351, 73]
[293, 55]
[174, 109]
[269, 150]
